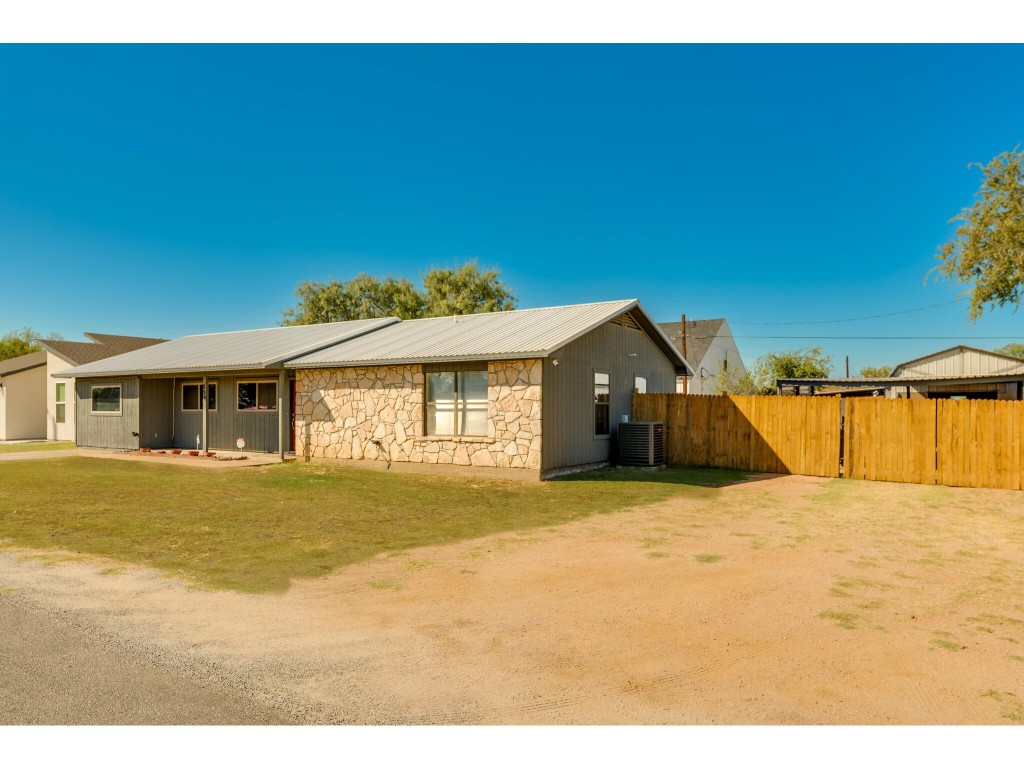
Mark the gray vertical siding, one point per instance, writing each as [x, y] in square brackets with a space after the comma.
[155, 413]
[226, 424]
[568, 391]
[107, 430]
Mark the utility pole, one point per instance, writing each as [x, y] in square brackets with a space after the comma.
[682, 346]
[847, 366]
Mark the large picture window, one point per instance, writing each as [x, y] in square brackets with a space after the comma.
[61, 400]
[457, 403]
[191, 397]
[106, 399]
[602, 403]
[257, 395]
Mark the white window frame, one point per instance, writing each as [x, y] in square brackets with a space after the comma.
[593, 390]
[456, 411]
[58, 402]
[258, 383]
[92, 400]
[210, 385]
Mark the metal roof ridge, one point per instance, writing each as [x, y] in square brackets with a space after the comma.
[281, 327]
[317, 346]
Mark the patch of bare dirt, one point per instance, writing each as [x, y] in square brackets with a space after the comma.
[787, 600]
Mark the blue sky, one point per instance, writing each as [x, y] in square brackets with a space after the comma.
[170, 190]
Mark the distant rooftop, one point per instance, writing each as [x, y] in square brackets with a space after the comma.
[103, 345]
[699, 335]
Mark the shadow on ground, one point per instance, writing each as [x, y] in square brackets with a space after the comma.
[700, 477]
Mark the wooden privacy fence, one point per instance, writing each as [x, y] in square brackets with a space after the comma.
[973, 443]
[793, 435]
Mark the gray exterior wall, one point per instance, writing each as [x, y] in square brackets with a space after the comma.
[165, 425]
[227, 423]
[568, 391]
[107, 430]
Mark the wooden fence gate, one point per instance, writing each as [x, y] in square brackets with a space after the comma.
[973, 443]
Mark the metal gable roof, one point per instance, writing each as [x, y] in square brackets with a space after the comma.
[488, 336]
[233, 350]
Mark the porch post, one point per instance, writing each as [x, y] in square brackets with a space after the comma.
[282, 417]
[206, 408]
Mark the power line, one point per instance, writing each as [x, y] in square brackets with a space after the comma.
[863, 317]
[881, 338]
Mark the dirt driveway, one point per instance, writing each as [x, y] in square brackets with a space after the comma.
[781, 600]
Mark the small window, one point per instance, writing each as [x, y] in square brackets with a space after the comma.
[61, 402]
[602, 403]
[106, 399]
[640, 384]
[257, 395]
[457, 403]
[191, 395]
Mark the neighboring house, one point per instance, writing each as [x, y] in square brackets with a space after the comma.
[959, 372]
[709, 347]
[541, 390]
[37, 407]
[23, 397]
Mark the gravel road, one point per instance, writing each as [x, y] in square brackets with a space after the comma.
[55, 672]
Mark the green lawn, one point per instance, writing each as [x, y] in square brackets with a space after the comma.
[26, 447]
[254, 530]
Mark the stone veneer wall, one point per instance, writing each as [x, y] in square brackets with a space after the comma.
[339, 411]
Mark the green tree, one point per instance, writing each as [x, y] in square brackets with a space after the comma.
[875, 372]
[18, 343]
[987, 252]
[465, 291]
[1012, 349]
[810, 363]
[361, 298]
[729, 382]
[461, 291]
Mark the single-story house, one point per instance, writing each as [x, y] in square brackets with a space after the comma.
[708, 345]
[541, 390]
[23, 397]
[32, 405]
[960, 372]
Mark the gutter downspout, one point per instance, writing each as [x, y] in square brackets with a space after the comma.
[282, 382]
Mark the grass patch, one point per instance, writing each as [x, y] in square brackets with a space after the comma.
[32, 447]
[1012, 709]
[841, 618]
[657, 555]
[947, 645]
[991, 618]
[254, 530]
[388, 584]
[709, 558]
